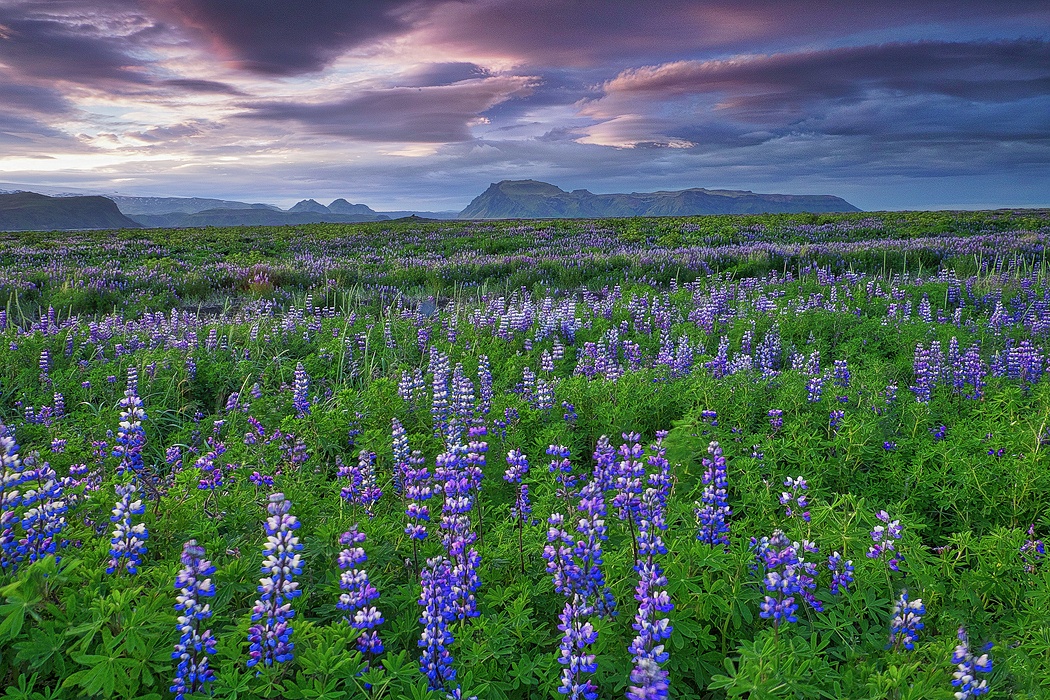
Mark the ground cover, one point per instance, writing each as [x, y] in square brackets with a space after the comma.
[777, 456]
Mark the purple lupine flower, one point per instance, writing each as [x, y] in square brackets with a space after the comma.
[967, 668]
[889, 446]
[438, 602]
[628, 483]
[358, 595]
[209, 465]
[842, 374]
[129, 541]
[484, 387]
[588, 549]
[457, 535]
[890, 394]
[45, 366]
[906, 623]
[785, 574]
[939, 433]
[815, 388]
[561, 467]
[649, 680]
[195, 645]
[418, 490]
[558, 553]
[131, 438]
[1033, 551]
[797, 496]
[835, 420]
[841, 573]
[570, 413]
[713, 515]
[301, 391]
[604, 463]
[270, 636]
[577, 636]
[43, 519]
[401, 451]
[884, 537]
[522, 509]
[776, 418]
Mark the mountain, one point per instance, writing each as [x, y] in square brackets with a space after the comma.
[130, 206]
[531, 199]
[251, 217]
[309, 205]
[28, 211]
[341, 206]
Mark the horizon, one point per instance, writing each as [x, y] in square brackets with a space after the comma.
[419, 106]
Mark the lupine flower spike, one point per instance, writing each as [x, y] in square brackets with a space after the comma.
[906, 623]
[968, 667]
[270, 636]
[195, 644]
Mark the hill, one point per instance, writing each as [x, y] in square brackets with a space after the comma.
[28, 211]
[251, 217]
[131, 206]
[531, 199]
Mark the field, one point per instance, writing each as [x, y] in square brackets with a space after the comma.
[786, 456]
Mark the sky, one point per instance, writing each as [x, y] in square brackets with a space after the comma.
[403, 104]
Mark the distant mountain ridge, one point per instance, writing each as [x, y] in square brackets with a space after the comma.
[532, 199]
[29, 211]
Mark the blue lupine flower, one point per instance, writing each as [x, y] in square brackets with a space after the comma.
[776, 418]
[968, 666]
[1033, 551]
[11, 477]
[906, 623]
[797, 485]
[43, 520]
[649, 680]
[884, 537]
[713, 515]
[577, 636]
[358, 595]
[841, 573]
[194, 645]
[301, 391]
[270, 636]
[438, 602]
[131, 438]
[129, 540]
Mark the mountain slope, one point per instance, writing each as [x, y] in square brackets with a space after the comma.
[130, 206]
[530, 199]
[250, 217]
[28, 211]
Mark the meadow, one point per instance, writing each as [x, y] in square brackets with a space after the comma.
[784, 456]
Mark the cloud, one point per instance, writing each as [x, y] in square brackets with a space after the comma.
[77, 48]
[439, 114]
[433, 74]
[583, 33]
[924, 88]
[286, 37]
[203, 86]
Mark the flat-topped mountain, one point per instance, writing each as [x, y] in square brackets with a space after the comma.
[531, 199]
[28, 211]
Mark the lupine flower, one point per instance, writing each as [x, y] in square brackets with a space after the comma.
[814, 389]
[648, 679]
[906, 623]
[884, 537]
[841, 573]
[835, 420]
[418, 490]
[457, 535]
[358, 595]
[785, 575]
[43, 519]
[889, 446]
[11, 477]
[131, 438]
[270, 636]
[939, 433]
[713, 515]
[797, 496]
[776, 418]
[194, 645]
[301, 391]
[577, 636]
[438, 602]
[968, 666]
[561, 467]
[1033, 551]
[129, 541]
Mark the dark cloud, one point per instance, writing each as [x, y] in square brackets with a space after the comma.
[433, 74]
[620, 32]
[287, 37]
[71, 48]
[15, 96]
[441, 114]
[203, 86]
[921, 89]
